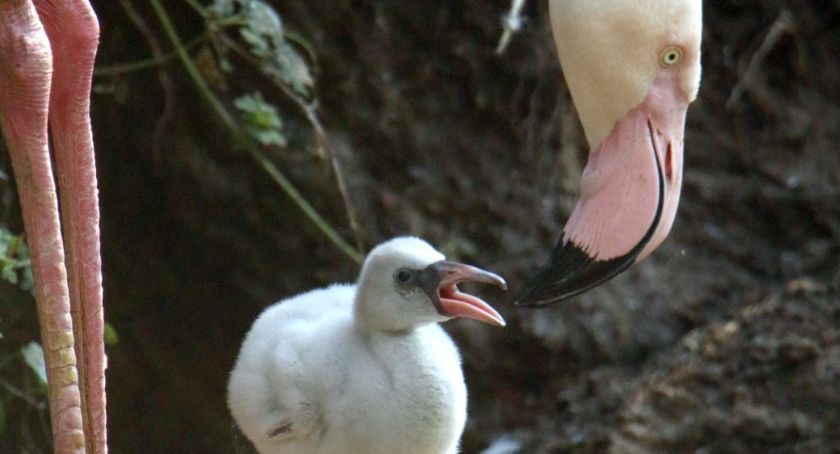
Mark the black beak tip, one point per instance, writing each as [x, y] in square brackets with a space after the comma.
[524, 303]
[531, 300]
[570, 272]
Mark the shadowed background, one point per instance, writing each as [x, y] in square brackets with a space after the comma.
[725, 339]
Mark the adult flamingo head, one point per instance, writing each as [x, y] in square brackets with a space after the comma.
[632, 68]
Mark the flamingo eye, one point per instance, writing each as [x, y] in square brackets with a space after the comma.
[671, 56]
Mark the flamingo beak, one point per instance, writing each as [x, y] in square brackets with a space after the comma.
[442, 287]
[630, 190]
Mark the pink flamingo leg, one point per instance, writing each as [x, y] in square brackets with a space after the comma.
[25, 71]
[73, 32]
[30, 55]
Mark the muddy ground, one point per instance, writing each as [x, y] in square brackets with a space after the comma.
[726, 339]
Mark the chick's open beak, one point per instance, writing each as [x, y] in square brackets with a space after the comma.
[442, 287]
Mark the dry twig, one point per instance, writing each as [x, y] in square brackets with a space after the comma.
[781, 26]
[165, 81]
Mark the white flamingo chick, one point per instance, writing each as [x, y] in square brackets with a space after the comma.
[362, 368]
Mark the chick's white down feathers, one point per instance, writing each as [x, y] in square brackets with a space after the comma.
[353, 368]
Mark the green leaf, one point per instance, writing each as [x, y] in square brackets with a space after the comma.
[8, 274]
[263, 19]
[259, 46]
[110, 335]
[33, 356]
[221, 8]
[279, 60]
[26, 281]
[292, 69]
[2, 418]
[261, 119]
[225, 65]
[15, 265]
[270, 138]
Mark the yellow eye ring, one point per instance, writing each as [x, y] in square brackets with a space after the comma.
[671, 56]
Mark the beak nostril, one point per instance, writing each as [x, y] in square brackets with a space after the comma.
[669, 162]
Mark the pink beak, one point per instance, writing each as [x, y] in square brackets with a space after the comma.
[630, 190]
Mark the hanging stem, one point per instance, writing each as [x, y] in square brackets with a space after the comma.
[250, 146]
[312, 115]
[310, 110]
[139, 65]
[512, 23]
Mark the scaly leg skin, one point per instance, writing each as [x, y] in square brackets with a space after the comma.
[73, 31]
[25, 71]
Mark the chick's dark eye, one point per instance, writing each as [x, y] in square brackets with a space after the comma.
[403, 276]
